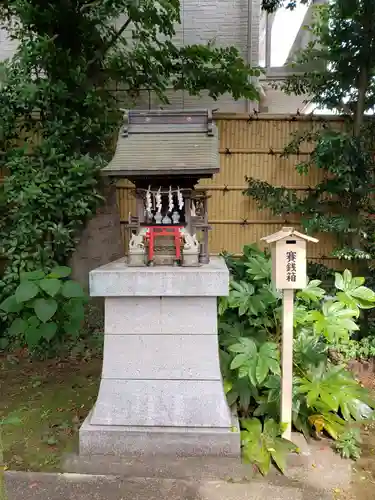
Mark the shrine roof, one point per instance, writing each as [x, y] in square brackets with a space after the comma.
[166, 142]
[285, 233]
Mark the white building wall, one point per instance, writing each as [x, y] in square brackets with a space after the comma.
[276, 102]
[223, 22]
[226, 23]
[7, 46]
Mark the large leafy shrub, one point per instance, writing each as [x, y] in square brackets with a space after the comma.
[45, 307]
[59, 110]
[326, 397]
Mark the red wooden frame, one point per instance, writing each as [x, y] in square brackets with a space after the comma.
[154, 231]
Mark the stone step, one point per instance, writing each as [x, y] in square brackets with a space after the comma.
[316, 467]
[34, 486]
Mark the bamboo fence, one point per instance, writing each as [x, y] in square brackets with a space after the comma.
[251, 146]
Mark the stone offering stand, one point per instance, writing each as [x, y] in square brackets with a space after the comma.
[161, 389]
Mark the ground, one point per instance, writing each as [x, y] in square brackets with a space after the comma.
[51, 399]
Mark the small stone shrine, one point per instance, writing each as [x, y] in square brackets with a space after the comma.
[165, 153]
[161, 390]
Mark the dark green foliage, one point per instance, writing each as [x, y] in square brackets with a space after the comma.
[362, 349]
[45, 308]
[342, 204]
[326, 398]
[59, 112]
[273, 5]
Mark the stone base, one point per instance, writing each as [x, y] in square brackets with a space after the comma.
[190, 259]
[161, 391]
[124, 441]
[136, 259]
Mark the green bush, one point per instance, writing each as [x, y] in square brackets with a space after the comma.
[326, 398]
[357, 349]
[45, 307]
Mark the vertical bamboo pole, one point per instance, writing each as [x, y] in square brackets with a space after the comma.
[287, 363]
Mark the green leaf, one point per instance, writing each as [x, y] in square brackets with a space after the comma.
[72, 327]
[312, 292]
[268, 349]
[238, 361]
[279, 455]
[274, 366]
[364, 293]
[72, 289]
[243, 371]
[271, 429]
[25, 291]
[33, 335]
[4, 343]
[32, 276]
[18, 327]
[245, 346]
[45, 309]
[232, 397]
[10, 305]
[253, 427]
[50, 286]
[78, 313]
[259, 267]
[33, 321]
[264, 460]
[339, 282]
[48, 330]
[251, 373]
[262, 369]
[312, 396]
[347, 277]
[60, 272]
[330, 400]
[250, 448]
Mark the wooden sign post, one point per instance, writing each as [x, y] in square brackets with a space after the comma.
[288, 251]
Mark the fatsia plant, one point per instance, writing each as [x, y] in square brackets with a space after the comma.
[353, 293]
[253, 362]
[326, 398]
[263, 444]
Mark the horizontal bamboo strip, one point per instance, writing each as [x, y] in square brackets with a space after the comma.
[243, 222]
[209, 187]
[270, 151]
[311, 258]
[223, 116]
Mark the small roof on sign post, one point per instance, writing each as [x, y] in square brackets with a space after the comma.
[286, 232]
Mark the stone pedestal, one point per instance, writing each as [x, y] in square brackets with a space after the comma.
[161, 390]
